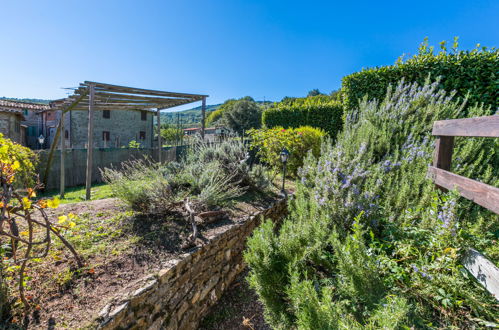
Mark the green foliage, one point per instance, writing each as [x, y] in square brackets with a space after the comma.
[369, 242]
[187, 118]
[212, 174]
[314, 92]
[298, 141]
[133, 144]
[471, 74]
[170, 135]
[318, 111]
[142, 185]
[242, 115]
[216, 115]
[5, 307]
[224, 163]
[26, 159]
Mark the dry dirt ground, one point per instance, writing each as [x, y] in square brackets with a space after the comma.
[118, 247]
[237, 309]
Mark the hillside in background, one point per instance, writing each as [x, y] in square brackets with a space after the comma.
[192, 117]
[41, 101]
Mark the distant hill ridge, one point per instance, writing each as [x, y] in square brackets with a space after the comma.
[192, 117]
[26, 100]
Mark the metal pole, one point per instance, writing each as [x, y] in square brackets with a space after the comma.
[90, 137]
[283, 179]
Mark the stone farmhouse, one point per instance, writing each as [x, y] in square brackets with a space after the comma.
[22, 122]
[26, 122]
[112, 129]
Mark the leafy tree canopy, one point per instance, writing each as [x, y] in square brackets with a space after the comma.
[242, 115]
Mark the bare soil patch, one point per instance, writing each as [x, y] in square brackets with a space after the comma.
[119, 249]
[237, 309]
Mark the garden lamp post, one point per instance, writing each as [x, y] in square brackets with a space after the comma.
[284, 159]
[41, 139]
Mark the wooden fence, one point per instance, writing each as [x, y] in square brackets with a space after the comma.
[485, 195]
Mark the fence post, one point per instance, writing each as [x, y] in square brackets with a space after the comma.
[443, 154]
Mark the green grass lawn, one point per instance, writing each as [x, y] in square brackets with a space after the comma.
[77, 194]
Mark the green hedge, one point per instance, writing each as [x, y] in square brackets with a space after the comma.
[319, 111]
[475, 72]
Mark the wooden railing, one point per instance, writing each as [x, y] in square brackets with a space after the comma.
[483, 194]
[445, 130]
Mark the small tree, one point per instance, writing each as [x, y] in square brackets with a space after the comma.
[170, 134]
[314, 92]
[30, 237]
[243, 115]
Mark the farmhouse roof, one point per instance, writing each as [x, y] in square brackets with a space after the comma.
[16, 105]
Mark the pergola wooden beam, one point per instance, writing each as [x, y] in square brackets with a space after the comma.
[91, 96]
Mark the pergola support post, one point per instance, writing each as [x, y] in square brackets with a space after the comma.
[203, 120]
[159, 135]
[90, 144]
[63, 147]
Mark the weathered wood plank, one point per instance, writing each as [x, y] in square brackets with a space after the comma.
[443, 152]
[159, 135]
[487, 126]
[485, 272]
[133, 90]
[65, 108]
[90, 143]
[480, 193]
[63, 147]
[203, 119]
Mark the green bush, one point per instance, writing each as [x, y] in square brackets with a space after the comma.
[319, 111]
[298, 141]
[143, 185]
[474, 72]
[369, 241]
[211, 174]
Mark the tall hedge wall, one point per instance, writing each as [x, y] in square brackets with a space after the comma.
[476, 72]
[318, 111]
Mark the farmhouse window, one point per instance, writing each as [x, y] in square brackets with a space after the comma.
[143, 115]
[106, 113]
[106, 136]
[142, 135]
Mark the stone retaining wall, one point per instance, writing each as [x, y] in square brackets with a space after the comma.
[179, 296]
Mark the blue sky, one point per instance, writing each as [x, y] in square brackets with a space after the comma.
[265, 49]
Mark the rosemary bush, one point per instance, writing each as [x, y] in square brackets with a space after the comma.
[369, 241]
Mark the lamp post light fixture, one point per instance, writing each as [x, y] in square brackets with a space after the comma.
[41, 139]
[284, 159]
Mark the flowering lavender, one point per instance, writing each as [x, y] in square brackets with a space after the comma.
[422, 272]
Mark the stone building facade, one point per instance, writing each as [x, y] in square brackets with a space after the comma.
[112, 129]
[10, 125]
[22, 121]
[26, 122]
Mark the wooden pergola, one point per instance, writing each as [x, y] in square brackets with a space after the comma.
[91, 96]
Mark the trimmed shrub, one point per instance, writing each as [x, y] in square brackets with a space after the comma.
[469, 73]
[369, 241]
[319, 111]
[298, 141]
